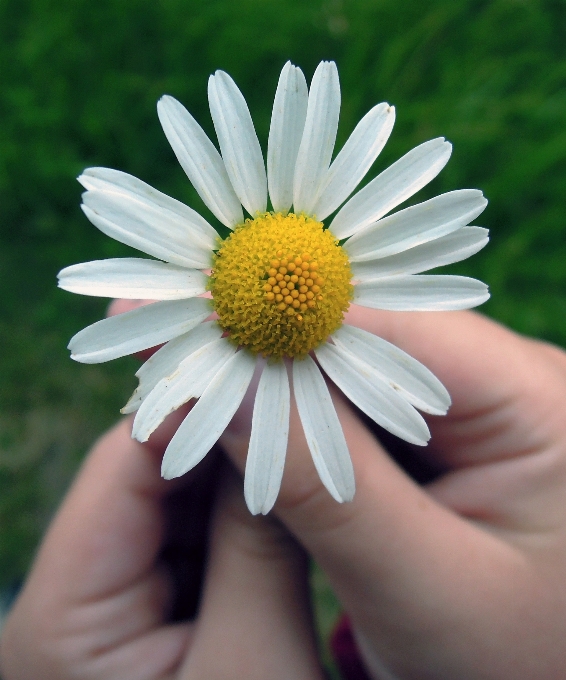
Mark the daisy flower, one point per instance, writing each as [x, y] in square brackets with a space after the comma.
[282, 280]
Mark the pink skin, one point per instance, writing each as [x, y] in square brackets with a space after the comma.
[96, 603]
[462, 578]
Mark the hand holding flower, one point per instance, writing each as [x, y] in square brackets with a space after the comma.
[464, 577]
[123, 558]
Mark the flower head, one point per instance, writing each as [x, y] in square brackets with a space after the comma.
[281, 282]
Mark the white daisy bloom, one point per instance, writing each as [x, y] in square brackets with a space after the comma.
[281, 282]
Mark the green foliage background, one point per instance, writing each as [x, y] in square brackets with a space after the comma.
[78, 86]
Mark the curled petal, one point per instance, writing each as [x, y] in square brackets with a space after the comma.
[189, 380]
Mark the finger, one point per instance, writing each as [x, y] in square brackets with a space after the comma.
[115, 500]
[97, 589]
[418, 565]
[501, 442]
[504, 415]
[500, 383]
[408, 570]
[255, 620]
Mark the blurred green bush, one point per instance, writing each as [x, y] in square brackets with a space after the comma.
[78, 86]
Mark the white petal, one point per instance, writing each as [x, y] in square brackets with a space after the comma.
[285, 133]
[238, 141]
[365, 388]
[393, 186]
[190, 380]
[319, 135]
[447, 249]
[200, 160]
[421, 293]
[323, 431]
[268, 442]
[137, 330]
[167, 359]
[397, 368]
[133, 278]
[416, 225]
[209, 417]
[132, 212]
[118, 182]
[355, 159]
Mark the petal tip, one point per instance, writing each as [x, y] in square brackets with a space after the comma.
[168, 471]
[347, 494]
[131, 405]
[83, 179]
[253, 506]
[164, 101]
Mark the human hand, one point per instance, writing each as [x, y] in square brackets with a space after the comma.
[462, 578]
[99, 599]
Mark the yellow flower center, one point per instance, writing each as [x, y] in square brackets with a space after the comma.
[281, 284]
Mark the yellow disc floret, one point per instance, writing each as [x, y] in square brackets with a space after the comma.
[281, 285]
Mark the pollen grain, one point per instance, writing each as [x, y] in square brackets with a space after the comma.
[280, 284]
